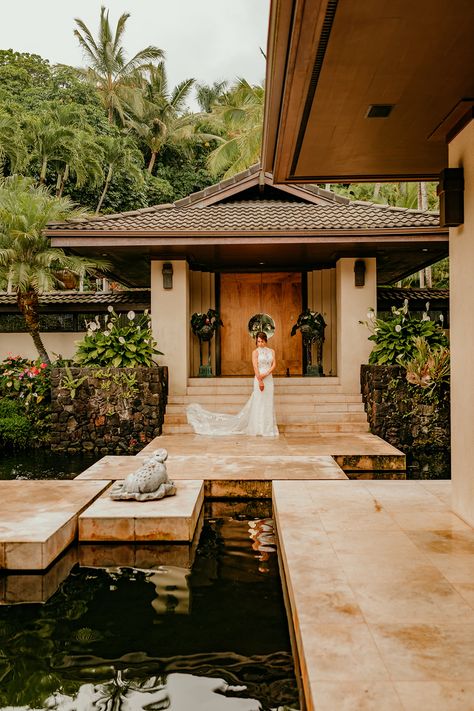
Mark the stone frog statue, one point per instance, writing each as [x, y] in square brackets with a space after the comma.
[148, 483]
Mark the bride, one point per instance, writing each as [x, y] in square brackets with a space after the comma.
[257, 417]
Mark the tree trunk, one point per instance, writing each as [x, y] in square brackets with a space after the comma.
[152, 162]
[377, 188]
[104, 191]
[429, 277]
[29, 306]
[62, 181]
[422, 197]
[44, 166]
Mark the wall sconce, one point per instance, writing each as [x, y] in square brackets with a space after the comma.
[451, 197]
[167, 272]
[359, 272]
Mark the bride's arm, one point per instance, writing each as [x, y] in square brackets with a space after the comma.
[256, 370]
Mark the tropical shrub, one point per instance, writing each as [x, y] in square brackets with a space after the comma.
[15, 427]
[25, 380]
[118, 341]
[395, 337]
[25, 398]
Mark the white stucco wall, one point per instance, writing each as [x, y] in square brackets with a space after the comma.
[461, 261]
[353, 304]
[170, 322]
[63, 344]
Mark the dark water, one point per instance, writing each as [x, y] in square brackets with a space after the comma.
[210, 638]
[44, 464]
[429, 464]
[421, 464]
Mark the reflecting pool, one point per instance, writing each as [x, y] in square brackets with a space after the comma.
[44, 464]
[209, 637]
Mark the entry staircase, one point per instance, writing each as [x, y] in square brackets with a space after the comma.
[303, 405]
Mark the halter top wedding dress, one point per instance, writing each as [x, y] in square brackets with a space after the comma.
[257, 417]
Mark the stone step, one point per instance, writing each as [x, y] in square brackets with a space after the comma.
[306, 408]
[285, 417]
[287, 390]
[283, 398]
[246, 380]
[320, 427]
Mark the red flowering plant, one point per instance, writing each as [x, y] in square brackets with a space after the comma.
[24, 379]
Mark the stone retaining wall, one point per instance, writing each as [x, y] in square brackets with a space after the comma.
[397, 413]
[106, 410]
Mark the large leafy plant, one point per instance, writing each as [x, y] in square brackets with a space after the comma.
[118, 341]
[395, 337]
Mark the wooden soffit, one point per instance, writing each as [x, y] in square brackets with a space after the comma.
[329, 61]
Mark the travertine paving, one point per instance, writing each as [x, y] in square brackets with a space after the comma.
[173, 518]
[380, 577]
[38, 519]
[222, 466]
[258, 459]
[334, 445]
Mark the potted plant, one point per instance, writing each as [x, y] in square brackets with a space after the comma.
[204, 327]
[311, 325]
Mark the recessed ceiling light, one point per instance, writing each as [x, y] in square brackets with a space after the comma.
[379, 110]
[261, 263]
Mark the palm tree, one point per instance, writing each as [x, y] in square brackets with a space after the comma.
[240, 115]
[12, 147]
[115, 78]
[48, 141]
[209, 94]
[28, 263]
[84, 162]
[163, 120]
[119, 154]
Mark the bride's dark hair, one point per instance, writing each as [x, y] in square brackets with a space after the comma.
[261, 335]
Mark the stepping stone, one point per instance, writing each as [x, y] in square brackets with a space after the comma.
[222, 467]
[173, 518]
[147, 556]
[38, 519]
[113, 467]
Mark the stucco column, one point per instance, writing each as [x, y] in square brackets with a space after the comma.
[461, 305]
[353, 304]
[170, 322]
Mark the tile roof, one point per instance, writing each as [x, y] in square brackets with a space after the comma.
[132, 296]
[255, 215]
[395, 295]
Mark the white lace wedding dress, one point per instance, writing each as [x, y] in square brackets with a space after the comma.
[257, 417]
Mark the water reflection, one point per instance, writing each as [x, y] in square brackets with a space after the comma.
[211, 637]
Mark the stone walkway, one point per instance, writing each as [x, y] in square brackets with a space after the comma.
[380, 573]
[380, 576]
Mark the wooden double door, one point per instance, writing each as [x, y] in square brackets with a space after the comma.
[242, 296]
